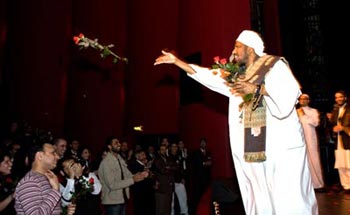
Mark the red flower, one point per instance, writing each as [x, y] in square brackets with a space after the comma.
[223, 61]
[91, 181]
[216, 59]
[78, 38]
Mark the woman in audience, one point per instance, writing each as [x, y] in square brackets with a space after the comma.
[7, 185]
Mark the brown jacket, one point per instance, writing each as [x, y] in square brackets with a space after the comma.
[345, 122]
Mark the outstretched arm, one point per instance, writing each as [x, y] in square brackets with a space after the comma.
[170, 58]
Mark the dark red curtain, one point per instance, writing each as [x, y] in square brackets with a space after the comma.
[54, 85]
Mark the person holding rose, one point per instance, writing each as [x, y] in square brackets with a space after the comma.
[80, 186]
[266, 136]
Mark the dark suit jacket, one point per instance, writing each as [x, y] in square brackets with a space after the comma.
[164, 169]
[142, 186]
[143, 192]
[345, 122]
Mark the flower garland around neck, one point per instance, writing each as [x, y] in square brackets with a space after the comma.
[230, 72]
[105, 50]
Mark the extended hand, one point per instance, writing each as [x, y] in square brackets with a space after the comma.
[167, 57]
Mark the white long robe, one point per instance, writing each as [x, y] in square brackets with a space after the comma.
[310, 120]
[282, 184]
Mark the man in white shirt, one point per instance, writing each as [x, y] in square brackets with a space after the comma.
[310, 119]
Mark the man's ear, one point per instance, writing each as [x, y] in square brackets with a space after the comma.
[250, 50]
[39, 155]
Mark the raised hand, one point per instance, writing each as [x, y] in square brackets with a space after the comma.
[169, 58]
[166, 57]
[52, 179]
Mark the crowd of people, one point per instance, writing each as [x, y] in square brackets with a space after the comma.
[44, 174]
[54, 175]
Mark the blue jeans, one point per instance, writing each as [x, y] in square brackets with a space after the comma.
[119, 209]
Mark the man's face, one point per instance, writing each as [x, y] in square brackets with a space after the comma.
[240, 53]
[61, 147]
[162, 149]
[49, 156]
[115, 145]
[124, 147]
[173, 148]
[142, 157]
[303, 101]
[75, 145]
[340, 99]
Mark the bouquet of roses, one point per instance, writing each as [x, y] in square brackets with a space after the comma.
[230, 71]
[82, 188]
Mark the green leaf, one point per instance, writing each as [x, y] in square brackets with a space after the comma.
[215, 66]
[247, 97]
[106, 52]
[230, 67]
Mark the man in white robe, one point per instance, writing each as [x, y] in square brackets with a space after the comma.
[310, 119]
[282, 183]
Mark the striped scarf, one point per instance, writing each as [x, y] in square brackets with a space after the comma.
[255, 111]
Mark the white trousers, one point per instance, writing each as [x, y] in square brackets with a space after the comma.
[181, 194]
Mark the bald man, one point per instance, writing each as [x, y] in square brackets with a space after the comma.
[266, 136]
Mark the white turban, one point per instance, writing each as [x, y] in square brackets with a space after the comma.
[253, 40]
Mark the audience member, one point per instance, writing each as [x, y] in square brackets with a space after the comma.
[201, 172]
[116, 179]
[180, 192]
[143, 192]
[73, 149]
[60, 145]
[163, 169]
[7, 185]
[38, 191]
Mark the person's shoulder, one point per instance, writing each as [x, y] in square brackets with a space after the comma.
[29, 177]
